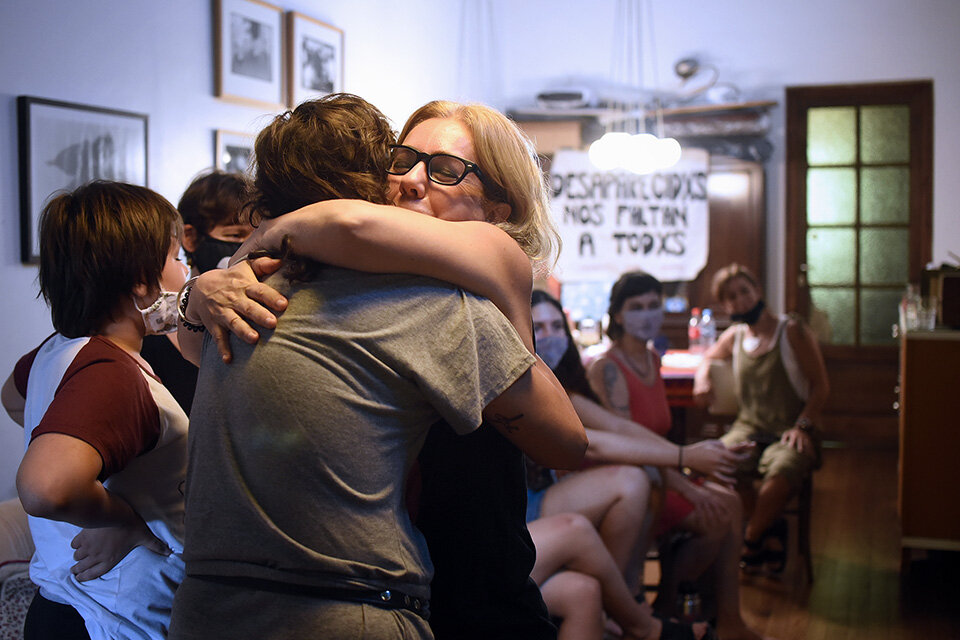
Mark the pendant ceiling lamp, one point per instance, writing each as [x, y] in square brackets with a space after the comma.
[626, 144]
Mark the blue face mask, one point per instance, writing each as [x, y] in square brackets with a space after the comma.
[551, 349]
[643, 324]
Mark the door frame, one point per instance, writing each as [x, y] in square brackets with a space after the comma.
[863, 379]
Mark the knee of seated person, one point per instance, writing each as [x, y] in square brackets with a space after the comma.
[577, 527]
[630, 481]
[791, 468]
[791, 475]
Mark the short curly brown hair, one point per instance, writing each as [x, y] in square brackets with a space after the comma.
[333, 147]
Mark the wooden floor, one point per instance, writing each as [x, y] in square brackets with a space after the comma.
[858, 591]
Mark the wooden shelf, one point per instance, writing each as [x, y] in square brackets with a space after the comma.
[706, 109]
[604, 114]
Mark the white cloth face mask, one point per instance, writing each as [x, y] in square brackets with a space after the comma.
[551, 349]
[643, 324]
[160, 318]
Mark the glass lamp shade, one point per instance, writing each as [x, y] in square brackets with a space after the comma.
[641, 153]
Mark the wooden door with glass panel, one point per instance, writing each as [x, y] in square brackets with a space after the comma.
[858, 230]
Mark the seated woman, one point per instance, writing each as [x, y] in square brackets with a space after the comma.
[612, 493]
[627, 380]
[781, 384]
[616, 444]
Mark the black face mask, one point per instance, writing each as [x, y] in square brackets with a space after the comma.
[210, 252]
[750, 317]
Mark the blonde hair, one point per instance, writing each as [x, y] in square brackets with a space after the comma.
[509, 162]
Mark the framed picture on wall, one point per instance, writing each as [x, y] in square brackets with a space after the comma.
[234, 151]
[248, 37]
[314, 58]
[64, 145]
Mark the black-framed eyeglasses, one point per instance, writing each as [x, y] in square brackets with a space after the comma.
[442, 168]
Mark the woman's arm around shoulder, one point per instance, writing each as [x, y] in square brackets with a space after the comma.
[224, 301]
[536, 415]
[355, 234]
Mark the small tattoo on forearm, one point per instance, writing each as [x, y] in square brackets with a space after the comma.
[507, 422]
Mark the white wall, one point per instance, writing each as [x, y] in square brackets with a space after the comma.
[156, 57]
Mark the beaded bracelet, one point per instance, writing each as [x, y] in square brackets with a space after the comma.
[183, 298]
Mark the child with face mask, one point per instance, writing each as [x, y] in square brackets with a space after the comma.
[213, 228]
[105, 442]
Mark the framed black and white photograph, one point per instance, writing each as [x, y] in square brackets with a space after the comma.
[315, 58]
[249, 52]
[64, 145]
[234, 151]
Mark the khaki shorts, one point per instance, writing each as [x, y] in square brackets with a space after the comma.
[769, 459]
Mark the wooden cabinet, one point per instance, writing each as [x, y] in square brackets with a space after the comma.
[929, 485]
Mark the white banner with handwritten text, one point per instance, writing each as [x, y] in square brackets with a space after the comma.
[616, 221]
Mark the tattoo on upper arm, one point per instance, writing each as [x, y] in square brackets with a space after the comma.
[611, 378]
[508, 423]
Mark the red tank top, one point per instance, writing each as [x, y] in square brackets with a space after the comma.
[648, 406]
[648, 403]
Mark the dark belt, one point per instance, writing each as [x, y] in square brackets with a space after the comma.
[385, 599]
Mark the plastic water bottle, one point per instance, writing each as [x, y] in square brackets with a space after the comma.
[689, 603]
[708, 329]
[693, 332]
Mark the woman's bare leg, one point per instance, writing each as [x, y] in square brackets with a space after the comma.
[575, 597]
[569, 542]
[614, 499]
[775, 492]
[724, 546]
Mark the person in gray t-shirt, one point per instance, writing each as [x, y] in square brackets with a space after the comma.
[300, 447]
